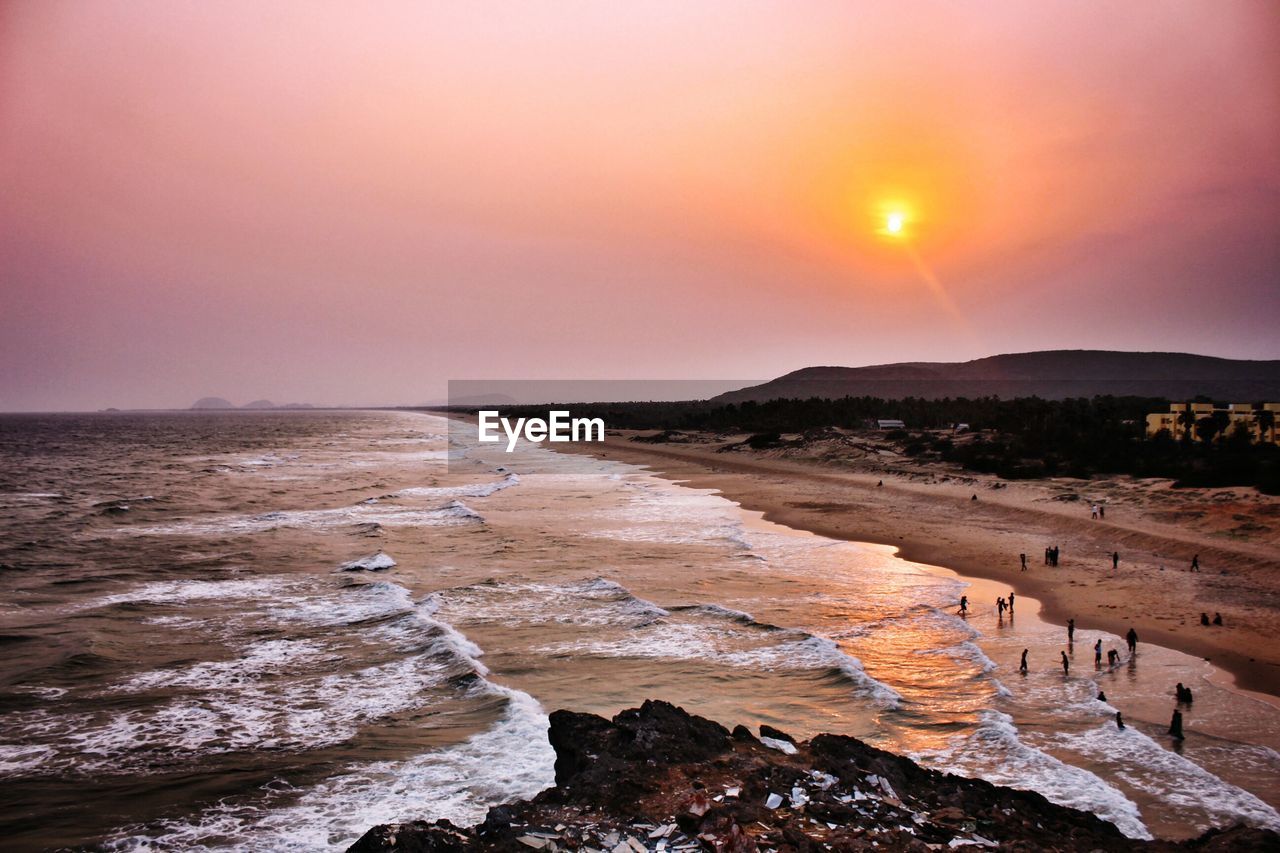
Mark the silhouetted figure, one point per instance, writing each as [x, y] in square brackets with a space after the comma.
[1022, 667]
[1195, 563]
[1204, 619]
[1097, 653]
[1000, 606]
[879, 484]
[1066, 664]
[1053, 561]
[1102, 511]
[1023, 558]
[974, 498]
[1011, 603]
[1113, 657]
[1217, 618]
[964, 605]
[1119, 721]
[1175, 725]
[1186, 695]
[1046, 556]
[1115, 560]
[1102, 697]
[1071, 631]
[1177, 691]
[1093, 512]
[1132, 639]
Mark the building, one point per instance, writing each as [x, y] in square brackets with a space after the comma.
[1181, 420]
[889, 423]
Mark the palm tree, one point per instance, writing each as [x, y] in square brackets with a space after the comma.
[1186, 420]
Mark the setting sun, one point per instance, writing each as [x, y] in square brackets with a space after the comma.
[893, 223]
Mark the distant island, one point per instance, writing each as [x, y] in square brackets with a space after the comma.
[220, 404]
[1049, 375]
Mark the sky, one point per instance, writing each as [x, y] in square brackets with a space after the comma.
[352, 203]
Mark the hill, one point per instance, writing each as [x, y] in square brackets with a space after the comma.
[1051, 374]
[212, 403]
[259, 404]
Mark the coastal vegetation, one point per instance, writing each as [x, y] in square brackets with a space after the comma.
[1019, 438]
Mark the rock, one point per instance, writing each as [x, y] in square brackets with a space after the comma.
[620, 781]
[376, 562]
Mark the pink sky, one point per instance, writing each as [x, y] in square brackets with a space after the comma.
[352, 203]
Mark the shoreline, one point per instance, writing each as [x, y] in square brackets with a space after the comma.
[775, 490]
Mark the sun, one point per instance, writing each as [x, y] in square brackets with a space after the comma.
[894, 221]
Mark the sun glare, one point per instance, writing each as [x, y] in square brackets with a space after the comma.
[893, 223]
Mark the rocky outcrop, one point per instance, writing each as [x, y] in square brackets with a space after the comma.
[656, 778]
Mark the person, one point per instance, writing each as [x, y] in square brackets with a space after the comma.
[1011, 602]
[1046, 555]
[1175, 726]
[1066, 664]
[1113, 657]
[1071, 631]
[879, 484]
[1054, 561]
[1102, 696]
[1186, 695]
[1023, 558]
[1097, 653]
[975, 497]
[1195, 563]
[1119, 721]
[1000, 606]
[1022, 667]
[1102, 511]
[1132, 639]
[1204, 619]
[1177, 692]
[1115, 560]
[1093, 511]
[1217, 617]
[964, 605]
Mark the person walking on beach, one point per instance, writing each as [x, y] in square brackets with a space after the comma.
[1175, 726]
[1066, 664]
[1071, 632]
[964, 605]
[1000, 606]
[1132, 639]
[1046, 555]
[1010, 602]
[1022, 667]
[1195, 563]
[1023, 558]
[1115, 560]
[1097, 653]
[1102, 512]
[1053, 557]
[1093, 512]
[1119, 721]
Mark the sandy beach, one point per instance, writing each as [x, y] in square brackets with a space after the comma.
[927, 510]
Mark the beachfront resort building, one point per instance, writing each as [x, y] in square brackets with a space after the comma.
[1181, 420]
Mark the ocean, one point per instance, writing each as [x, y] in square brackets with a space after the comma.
[187, 665]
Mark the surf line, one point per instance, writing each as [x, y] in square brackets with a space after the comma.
[559, 426]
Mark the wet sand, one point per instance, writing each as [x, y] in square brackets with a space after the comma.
[934, 520]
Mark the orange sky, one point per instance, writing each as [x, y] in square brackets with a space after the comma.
[355, 202]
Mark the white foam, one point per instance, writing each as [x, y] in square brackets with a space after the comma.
[377, 562]
[994, 752]
[473, 490]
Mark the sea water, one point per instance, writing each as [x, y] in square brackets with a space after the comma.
[186, 665]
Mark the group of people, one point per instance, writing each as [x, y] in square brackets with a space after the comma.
[1217, 618]
[1098, 511]
[1051, 556]
[1002, 606]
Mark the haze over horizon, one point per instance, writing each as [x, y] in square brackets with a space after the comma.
[328, 203]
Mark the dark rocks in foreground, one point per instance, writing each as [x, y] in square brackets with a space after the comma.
[659, 779]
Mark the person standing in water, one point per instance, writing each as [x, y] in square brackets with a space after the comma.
[1132, 639]
[1022, 667]
[1175, 726]
[964, 605]
[1000, 607]
[1097, 653]
[1071, 632]
[1010, 602]
[1119, 721]
[1066, 664]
